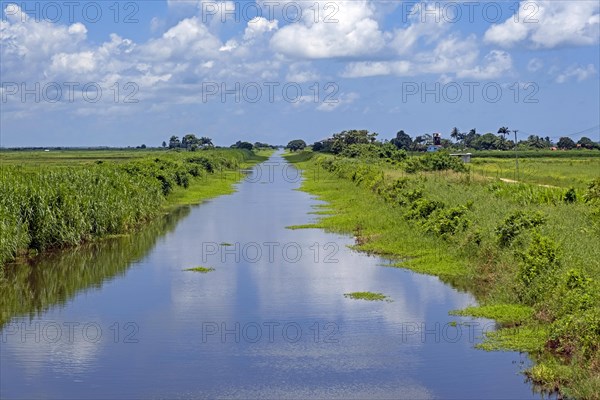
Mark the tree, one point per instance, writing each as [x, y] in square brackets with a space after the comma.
[402, 141]
[205, 142]
[174, 142]
[164, 144]
[587, 143]
[242, 145]
[504, 131]
[502, 143]
[346, 138]
[189, 140]
[419, 144]
[455, 134]
[566, 143]
[486, 142]
[470, 138]
[536, 142]
[143, 146]
[296, 145]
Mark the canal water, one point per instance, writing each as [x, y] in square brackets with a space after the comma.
[123, 319]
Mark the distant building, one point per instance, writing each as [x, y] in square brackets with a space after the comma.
[465, 157]
[437, 143]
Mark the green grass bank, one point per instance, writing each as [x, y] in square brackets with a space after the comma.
[528, 253]
[62, 199]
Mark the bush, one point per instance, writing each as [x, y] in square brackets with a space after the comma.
[593, 191]
[536, 271]
[449, 221]
[438, 161]
[423, 208]
[516, 223]
[570, 196]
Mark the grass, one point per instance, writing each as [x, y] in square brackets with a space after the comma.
[202, 270]
[58, 199]
[369, 296]
[529, 339]
[561, 172]
[505, 314]
[542, 284]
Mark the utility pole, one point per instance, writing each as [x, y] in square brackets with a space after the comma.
[516, 156]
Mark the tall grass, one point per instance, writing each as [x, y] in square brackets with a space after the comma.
[48, 207]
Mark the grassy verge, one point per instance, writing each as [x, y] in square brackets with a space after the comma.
[529, 254]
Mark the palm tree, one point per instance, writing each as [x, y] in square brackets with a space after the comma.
[504, 131]
[455, 133]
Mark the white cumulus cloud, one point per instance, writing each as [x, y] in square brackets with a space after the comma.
[549, 24]
[354, 32]
[577, 72]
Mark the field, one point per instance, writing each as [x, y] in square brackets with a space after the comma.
[529, 253]
[64, 198]
[561, 172]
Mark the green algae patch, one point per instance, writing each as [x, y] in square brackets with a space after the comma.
[202, 270]
[369, 296]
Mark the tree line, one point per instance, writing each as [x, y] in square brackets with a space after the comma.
[458, 141]
[193, 143]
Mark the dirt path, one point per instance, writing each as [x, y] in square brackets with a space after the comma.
[513, 181]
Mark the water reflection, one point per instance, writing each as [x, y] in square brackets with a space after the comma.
[31, 287]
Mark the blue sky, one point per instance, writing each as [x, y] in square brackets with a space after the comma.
[106, 73]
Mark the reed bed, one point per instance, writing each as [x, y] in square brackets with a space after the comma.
[44, 207]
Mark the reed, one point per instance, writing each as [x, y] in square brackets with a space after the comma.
[46, 206]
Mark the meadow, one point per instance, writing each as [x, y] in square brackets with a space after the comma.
[63, 198]
[556, 171]
[529, 253]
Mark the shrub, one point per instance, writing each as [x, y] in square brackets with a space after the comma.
[593, 191]
[447, 221]
[570, 196]
[423, 208]
[536, 271]
[438, 161]
[515, 223]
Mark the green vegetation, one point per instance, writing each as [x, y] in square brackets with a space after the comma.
[202, 270]
[296, 145]
[471, 141]
[45, 206]
[30, 288]
[529, 256]
[369, 296]
[504, 314]
[562, 169]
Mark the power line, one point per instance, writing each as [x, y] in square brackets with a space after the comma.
[585, 131]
